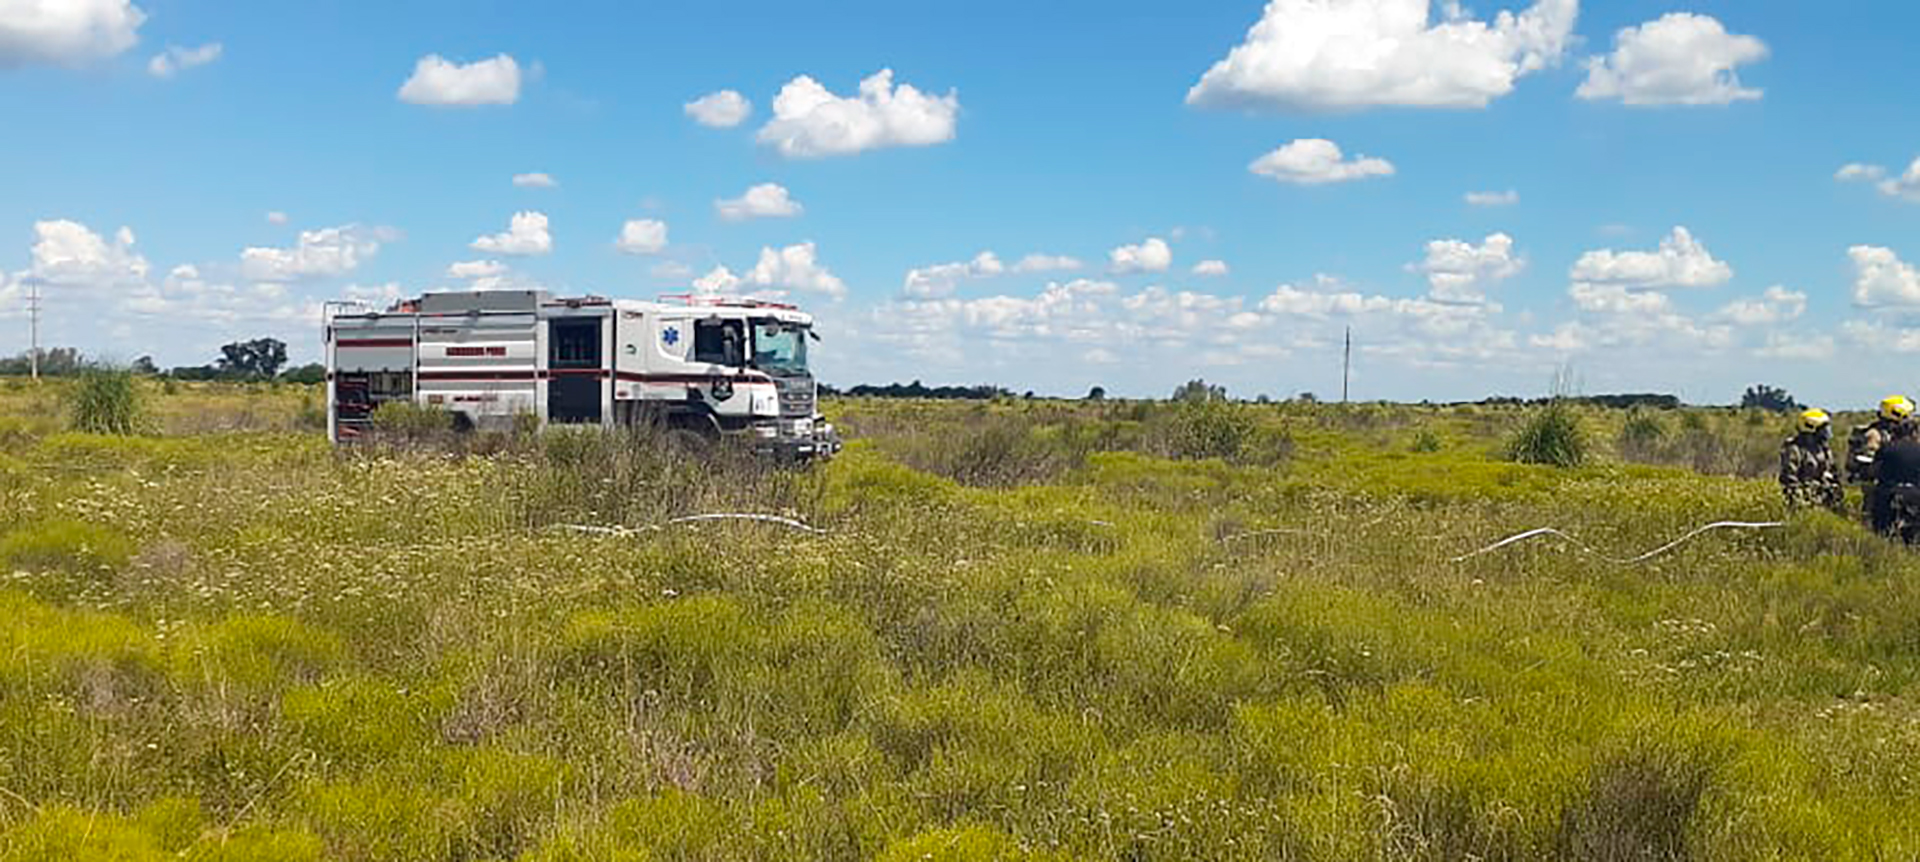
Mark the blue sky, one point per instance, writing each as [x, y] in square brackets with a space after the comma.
[1064, 129]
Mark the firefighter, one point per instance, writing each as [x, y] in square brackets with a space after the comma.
[1865, 440]
[1806, 465]
[1896, 490]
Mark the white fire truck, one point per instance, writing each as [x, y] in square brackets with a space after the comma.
[702, 367]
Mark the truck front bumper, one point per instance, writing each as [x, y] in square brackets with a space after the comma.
[796, 439]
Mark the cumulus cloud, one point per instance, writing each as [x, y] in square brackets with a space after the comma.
[1153, 255]
[534, 181]
[1680, 59]
[1775, 306]
[66, 33]
[526, 234]
[1315, 161]
[1459, 271]
[1906, 186]
[319, 253]
[766, 200]
[942, 279]
[809, 121]
[1211, 268]
[476, 269]
[642, 236]
[1493, 199]
[441, 82]
[1880, 336]
[1333, 54]
[718, 281]
[176, 58]
[1047, 263]
[794, 267]
[69, 254]
[1681, 261]
[720, 110]
[276, 217]
[1882, 279]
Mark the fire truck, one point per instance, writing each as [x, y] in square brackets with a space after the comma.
[700, 367]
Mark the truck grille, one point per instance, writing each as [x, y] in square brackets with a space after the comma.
[796, 395]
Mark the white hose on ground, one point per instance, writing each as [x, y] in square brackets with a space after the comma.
[1549, 531]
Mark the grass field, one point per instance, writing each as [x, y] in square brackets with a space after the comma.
[1029, 630]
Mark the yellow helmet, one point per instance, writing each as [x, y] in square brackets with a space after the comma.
[1813, 420]
[1895, 408]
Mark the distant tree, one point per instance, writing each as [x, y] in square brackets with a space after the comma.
[1772, 398]
[1199, 390]
[1263, 398]
[260, 358]
[309, 374]
[54, 362]
[195, 372]
[1307, 398]
[1097, 393]
[144, 366]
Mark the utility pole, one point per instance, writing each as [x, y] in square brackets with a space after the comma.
[1346, 366]
[33, 324]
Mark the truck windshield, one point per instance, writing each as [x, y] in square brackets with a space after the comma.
[779, 347]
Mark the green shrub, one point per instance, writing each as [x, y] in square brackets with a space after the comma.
[1640, 436]
[1426, 441]
[962, 844]
[74, 546]
[105, 401]
[1552, 436]
[1198, 430]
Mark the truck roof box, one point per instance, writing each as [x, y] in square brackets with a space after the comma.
[461, 301]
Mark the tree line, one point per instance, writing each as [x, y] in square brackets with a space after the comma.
[255, 359]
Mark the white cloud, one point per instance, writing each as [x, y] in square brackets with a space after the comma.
[1153, 255]
[720, 280]
[317, 254]
[766, 200]
[720, 110]
[1315, 161]
[1618, 299]
[1493, 199]
[66, 33]
[642, 236]
[811, 122]
[534, 181]
[526, 234]
[1882, 279]
[276, 217]
[1905, 186]
[1459, 271]
[670, 270]
[1681, 261]
[1332, 54]
[1047, 263]
[176, 58]
[1680, 59]
[1774, 306]
[437, 81]
[477, 269]
[942, 279]
[1211, 268]
[1878, 335]
[1804, 348]
[69, 254]
[794, 268]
